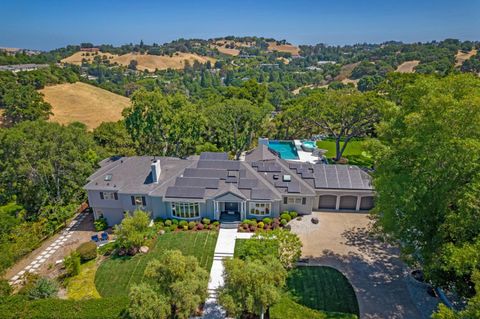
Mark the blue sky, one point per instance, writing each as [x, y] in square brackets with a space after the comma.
[51, 24]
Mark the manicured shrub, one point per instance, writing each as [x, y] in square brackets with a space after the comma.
[160, 224]
[100, 224]
[253, 222]
[43, 288]
[183, 223]
[87, 251]
[283, 222]
[206, 221]
[191, 225]
[286, 217]
[216, 223]
[253, 228]
[72, 264]
[173, 227]
[185, 227]
[267, 221]
[268, 227]
[246, 222]
[175, 221]
[200, 226]
[293, 214]
[168, 223]
[260, 225]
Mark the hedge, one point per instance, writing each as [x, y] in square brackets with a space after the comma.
[19, 307]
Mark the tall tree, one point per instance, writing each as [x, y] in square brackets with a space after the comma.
[235, 123]
[24, 103]
[45, 163]
[181, 279]
[146, 303]
[343, 114]
[251, 286]
[428, 177]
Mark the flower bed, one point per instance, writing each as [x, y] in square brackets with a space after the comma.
[252, 225]
[173, 225]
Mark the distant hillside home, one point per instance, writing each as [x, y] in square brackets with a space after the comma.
[89, 49]
[22, 67]
[210, 185]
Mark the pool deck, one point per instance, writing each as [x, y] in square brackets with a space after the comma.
[306, 157]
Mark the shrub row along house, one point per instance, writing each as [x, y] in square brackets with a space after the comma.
[210, 185]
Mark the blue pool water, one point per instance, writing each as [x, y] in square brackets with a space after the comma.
[310, 144]
[286, 149]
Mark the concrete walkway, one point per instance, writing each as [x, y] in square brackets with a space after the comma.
[224, 248]
[45, 254]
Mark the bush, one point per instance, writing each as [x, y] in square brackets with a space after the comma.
[191, 225]
[283, 222]
[183, 223]
[43, 288]
[5, 288]
[206, 221]
[107, 249]
[253, 222]
[260, 225]
[286, 216]
[160, 223]
[87, 251]
[173, 227]
[185, 227]
[168, 223]
[267, 221]
[216, 223]
[253, 228]
[72, 264]
[293, 214]
[200, 226]
[175, 221]
[100, 224]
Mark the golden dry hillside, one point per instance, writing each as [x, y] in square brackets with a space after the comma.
[407, 66]
[145, 61]
[84, 103]
[289, 48]
[346, 71]
[461, 57]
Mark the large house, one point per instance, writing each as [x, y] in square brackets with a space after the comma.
[210, 185]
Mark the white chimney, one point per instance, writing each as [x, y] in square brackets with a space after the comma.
[156, 170]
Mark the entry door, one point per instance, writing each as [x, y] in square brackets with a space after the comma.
[231, 207]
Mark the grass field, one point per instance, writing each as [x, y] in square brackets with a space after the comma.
[346, 71]
[145, 61]
[82, 286]
[287, 308]
[84, 103]
[322, 288]
[115, 275]
[407, 66]
[289, 48]
[355, 152]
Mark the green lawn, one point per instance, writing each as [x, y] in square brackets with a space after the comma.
[355, 152]
[287, 308]
[115, 275]
[322, 288]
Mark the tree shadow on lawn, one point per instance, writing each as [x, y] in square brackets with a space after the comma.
[377, 274]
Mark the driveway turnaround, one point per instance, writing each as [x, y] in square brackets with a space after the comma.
[380, 279]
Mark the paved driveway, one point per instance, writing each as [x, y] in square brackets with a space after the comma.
[343, 241]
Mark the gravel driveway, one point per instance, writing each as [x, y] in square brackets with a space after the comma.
[379, 277]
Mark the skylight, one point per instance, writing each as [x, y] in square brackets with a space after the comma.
[108, 177]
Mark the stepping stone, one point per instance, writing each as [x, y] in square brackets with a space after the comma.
[59, 261]
[35, 266]
[42, 260]
[14, 278]
[17, 282]
[48, 255]
[69, 235]
[38, 257]
[28, 267]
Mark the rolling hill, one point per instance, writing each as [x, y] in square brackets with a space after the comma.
[81, 102]
[407, 66]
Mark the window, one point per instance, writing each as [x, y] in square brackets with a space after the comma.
[108, 195]
[108, 177]
[185, 210]
[138, 201]
[259, 208]
[295, 200]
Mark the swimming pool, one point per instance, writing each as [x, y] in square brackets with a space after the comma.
[285, 149]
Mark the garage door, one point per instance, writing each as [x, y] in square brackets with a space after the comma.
[327, 202]
[348, 202]
[366, 203]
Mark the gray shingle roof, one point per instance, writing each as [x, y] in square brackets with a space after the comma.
[213, 156]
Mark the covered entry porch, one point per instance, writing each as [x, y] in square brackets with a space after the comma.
[230, 210]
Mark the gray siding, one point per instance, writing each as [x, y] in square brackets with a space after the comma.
[299, 208]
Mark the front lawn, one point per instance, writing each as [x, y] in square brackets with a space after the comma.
[82, 286]
[355, 152]
[116, 274]
[322, 288]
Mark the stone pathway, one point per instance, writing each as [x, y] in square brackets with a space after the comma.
[50, 250]
[224, 248]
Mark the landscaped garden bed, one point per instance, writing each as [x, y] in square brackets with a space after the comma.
[267, 223]
[170, 225]
[116, 274]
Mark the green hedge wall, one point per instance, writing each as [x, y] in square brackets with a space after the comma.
[19, 307]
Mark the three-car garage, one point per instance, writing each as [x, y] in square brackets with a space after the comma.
[345, 202]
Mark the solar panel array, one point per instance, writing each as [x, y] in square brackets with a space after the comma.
[228, 165]
[267, 167]
[260, 194]
[205, 172]
[210, 183]
[246, 183]
[185, 192]
[213, 156]
[340, 176]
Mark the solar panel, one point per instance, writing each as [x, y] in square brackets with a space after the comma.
[228, 165]
[205, 172]
[261, 194]
[281, 184]
[293, 188]
[197, 182]
[213, 156]
[246, 183]
[185, 192]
